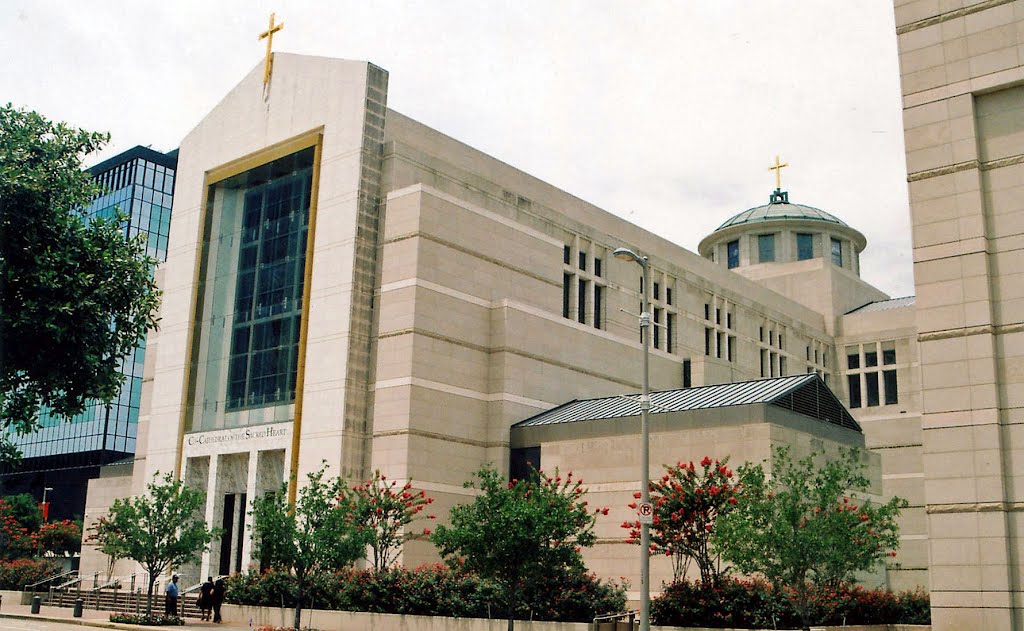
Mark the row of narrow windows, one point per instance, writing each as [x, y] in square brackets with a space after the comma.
[766, 249]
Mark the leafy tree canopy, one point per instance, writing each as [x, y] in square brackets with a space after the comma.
[807, 524]
[161, 529]
[77, 295]
[314, 537]
[519, 532]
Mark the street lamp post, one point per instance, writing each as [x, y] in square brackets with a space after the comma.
[46, 511]
[625, 254]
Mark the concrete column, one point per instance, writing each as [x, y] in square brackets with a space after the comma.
[209, 513]
[250, 492]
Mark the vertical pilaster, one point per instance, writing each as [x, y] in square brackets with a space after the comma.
[210, 512]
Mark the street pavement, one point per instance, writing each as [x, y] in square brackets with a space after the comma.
[18, 617]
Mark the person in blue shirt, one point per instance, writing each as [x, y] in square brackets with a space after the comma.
[171, 602]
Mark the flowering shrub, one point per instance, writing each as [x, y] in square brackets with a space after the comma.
[384, 510]
[15, 541]
[687, 501]
[59, 537]
[149, 621]
[436, 590]
[21, 572]
[754, 604]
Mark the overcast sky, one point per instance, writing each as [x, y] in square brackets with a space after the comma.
[665, 113]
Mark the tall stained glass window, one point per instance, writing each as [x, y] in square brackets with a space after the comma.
[268, 293]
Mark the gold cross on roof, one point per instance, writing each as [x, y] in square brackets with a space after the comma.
[778, 171]
[269, 36]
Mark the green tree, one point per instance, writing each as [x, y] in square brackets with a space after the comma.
[806, 525]
[25, 508]
[77, 295]
[518, 532]
[310, 539]
[688, 501]
[385, 510]
[161, 529]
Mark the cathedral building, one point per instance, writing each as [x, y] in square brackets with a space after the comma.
[347, 285]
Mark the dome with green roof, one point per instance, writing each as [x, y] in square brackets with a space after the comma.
[780, 210]
[781, 232]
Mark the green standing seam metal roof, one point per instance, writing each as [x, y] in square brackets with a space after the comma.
[805, 394]
[771, 212]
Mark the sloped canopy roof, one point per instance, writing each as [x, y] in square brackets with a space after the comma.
[885, 305]
[804, 394]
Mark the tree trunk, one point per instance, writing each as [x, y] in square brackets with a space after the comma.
[298, 604]
[149, 596]
[512, 592]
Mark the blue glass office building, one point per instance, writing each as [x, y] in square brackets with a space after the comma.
[65, 455]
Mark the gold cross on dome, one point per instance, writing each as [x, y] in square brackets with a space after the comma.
[778, 171]
[269, 36]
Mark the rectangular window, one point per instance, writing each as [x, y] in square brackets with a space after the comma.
[764, 357]
[771, 337]
[782, 366]
[707, 341]
[268, 291]
[870, 358]
[583, 261]
[707, 311]
[852, 357]
[808, 353]
[780, 340]
[853, 381]
[718, 315]
[566, 294]
[581, 302]
[733, 249]
[670, 325]
[732, 345]
[668, 295]
[721, 345]
[728, 320]
[837, 252]
[772, 361]
[598, 290]
[597, 267]
[871, 385]
[766, 248]
[804, 246]
[687, 374]
[816, 357]
[566, 254]
[888, 353]
[657, 291]
[760, 333]
[892, 395]
[657, 328]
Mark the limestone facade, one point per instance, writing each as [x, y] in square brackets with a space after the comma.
[962, 67]
[447, 296]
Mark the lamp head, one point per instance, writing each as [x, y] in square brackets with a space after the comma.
[625, 254]
[47, 488]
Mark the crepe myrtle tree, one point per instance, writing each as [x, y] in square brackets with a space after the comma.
[808, 524]
[311, 538]
[688, 500]
[385, 510]
[162, 529]
[516, 532]
[77, 295]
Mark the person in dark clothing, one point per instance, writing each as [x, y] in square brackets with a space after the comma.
[206, 598]
[218, 598]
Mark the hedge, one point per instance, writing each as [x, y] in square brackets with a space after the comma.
[21, 572]
[432, 590]
[754, 604]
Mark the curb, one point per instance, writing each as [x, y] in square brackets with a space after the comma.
[85, 622]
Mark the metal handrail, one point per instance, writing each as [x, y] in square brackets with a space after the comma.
[611, 617]
[76, 580]
[48, 579]
[114, 583]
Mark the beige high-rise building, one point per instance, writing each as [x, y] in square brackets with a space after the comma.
[345, 284]
[962, 66]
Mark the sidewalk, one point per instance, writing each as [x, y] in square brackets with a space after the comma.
[100, 619]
